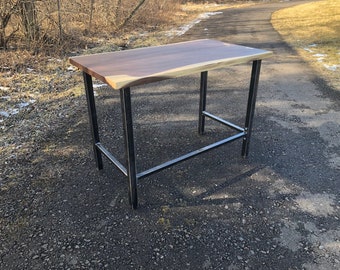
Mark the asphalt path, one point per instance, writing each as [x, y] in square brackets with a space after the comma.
[278, 209]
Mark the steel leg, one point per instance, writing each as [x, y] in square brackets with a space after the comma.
[202, 105]
[254, 81]
[93, 118]
[125, 99]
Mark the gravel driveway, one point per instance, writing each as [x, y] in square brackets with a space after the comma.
[278, 209]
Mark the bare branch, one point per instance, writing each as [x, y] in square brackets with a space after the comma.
[133, 12]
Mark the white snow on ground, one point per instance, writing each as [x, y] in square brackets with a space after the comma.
[99, 85]
[13, 110]
[331, 67]
[72, 68]
[183, 29]
[308, 50]
[320, 57]
[96, 86]
[16, 109]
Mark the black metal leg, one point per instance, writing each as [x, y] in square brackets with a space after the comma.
[125, 99]
[254, 81]
[93, 118]
[202, 105]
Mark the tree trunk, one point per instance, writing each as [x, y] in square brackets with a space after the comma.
[28, 14]
[60, 28]
[5, 17]
[91, 15]
[3, 24]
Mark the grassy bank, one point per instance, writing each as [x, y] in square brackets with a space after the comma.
[313, 29]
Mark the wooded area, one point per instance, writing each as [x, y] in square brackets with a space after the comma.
[33, 24]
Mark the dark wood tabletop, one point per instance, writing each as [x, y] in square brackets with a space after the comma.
[133, 67]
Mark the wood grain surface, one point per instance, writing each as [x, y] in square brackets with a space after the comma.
[144, 65]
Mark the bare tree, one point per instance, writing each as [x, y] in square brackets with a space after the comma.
[118, 5]
[59, 21]
[29, 20]
[91, 15]
[7, 9]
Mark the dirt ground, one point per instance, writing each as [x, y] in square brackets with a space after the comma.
[278, 209]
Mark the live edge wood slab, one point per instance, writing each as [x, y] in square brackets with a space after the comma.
[122, 69]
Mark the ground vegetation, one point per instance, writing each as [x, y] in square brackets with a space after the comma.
[313, 30]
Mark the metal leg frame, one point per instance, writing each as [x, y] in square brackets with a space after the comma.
[130, 171]
[125, 99]
[254, 81]
[202, 105]
[93, 119]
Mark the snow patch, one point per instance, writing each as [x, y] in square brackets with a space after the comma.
[99, 85]
[71, 68]
[16, 109]
[308, 50]
[320, 57]
[331, 67]
[183, 29]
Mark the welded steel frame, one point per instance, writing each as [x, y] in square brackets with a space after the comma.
[130, 170]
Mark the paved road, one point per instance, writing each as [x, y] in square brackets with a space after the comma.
[279, 209]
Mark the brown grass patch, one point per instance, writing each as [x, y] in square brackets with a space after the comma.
[313, 29]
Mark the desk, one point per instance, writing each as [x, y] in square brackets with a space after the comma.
[123, 69]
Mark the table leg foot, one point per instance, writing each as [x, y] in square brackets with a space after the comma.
[133, 199]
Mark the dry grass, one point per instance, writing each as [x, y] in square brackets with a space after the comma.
[313, 29]
[190, 10]
[209, 7]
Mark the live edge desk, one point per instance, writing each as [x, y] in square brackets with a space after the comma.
[124, 69]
